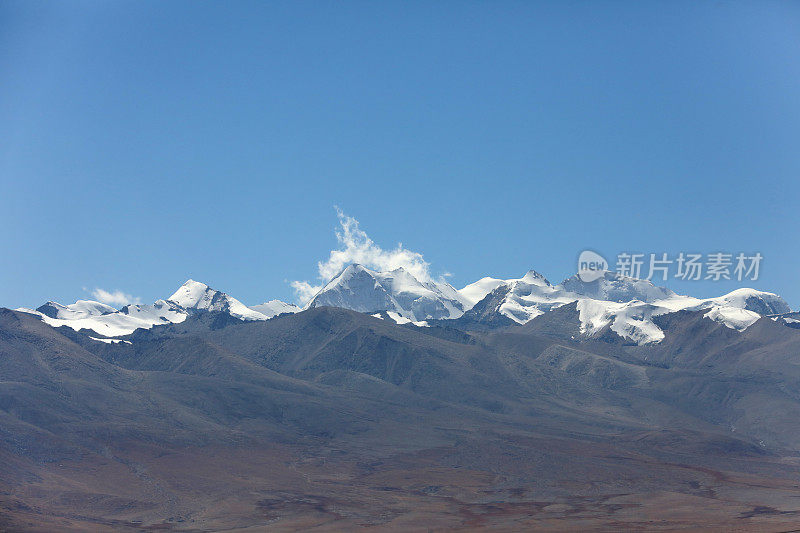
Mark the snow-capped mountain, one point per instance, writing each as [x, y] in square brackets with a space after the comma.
[117, 323]
[614, 287]
[763, 303]
[634, 320]
[475, 292]
[625, 305]
[199, 296]
[367, 291]
[191, 297]
[80, 309]
[520, 299]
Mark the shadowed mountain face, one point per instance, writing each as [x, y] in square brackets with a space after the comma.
[336, 420]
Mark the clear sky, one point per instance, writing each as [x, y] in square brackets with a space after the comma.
[143, 143]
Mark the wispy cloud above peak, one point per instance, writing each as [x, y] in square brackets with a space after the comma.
[116, 297]
[355, 246]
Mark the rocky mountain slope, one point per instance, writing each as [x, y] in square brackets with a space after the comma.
[331, 416]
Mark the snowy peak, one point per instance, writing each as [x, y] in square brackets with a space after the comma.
[475, 292]
[109, 322]
[367, 291]
[356, 288]
[531, 296]
[534, 278]
[614, 287]
[80, 309]
[763, 303]
[115, 323]
[195, 295]
[616, 303]
[613, 302]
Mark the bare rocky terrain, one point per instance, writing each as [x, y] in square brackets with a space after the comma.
[335, 420]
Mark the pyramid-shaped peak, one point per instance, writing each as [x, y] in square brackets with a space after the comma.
[191, 293]
[535, 277]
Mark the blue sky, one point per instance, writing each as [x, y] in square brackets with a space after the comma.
[144, 143]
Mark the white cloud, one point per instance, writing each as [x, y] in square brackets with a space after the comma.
[305, 291]
[114, 297]
[357, 247]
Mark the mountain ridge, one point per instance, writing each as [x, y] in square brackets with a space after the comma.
[619, 304]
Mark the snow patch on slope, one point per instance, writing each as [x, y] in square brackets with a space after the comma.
[111, 341]
[398, 319]
[274, 308]
[111, 325]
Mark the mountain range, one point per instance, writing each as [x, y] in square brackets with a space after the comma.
[393, 403]
[626, 306]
